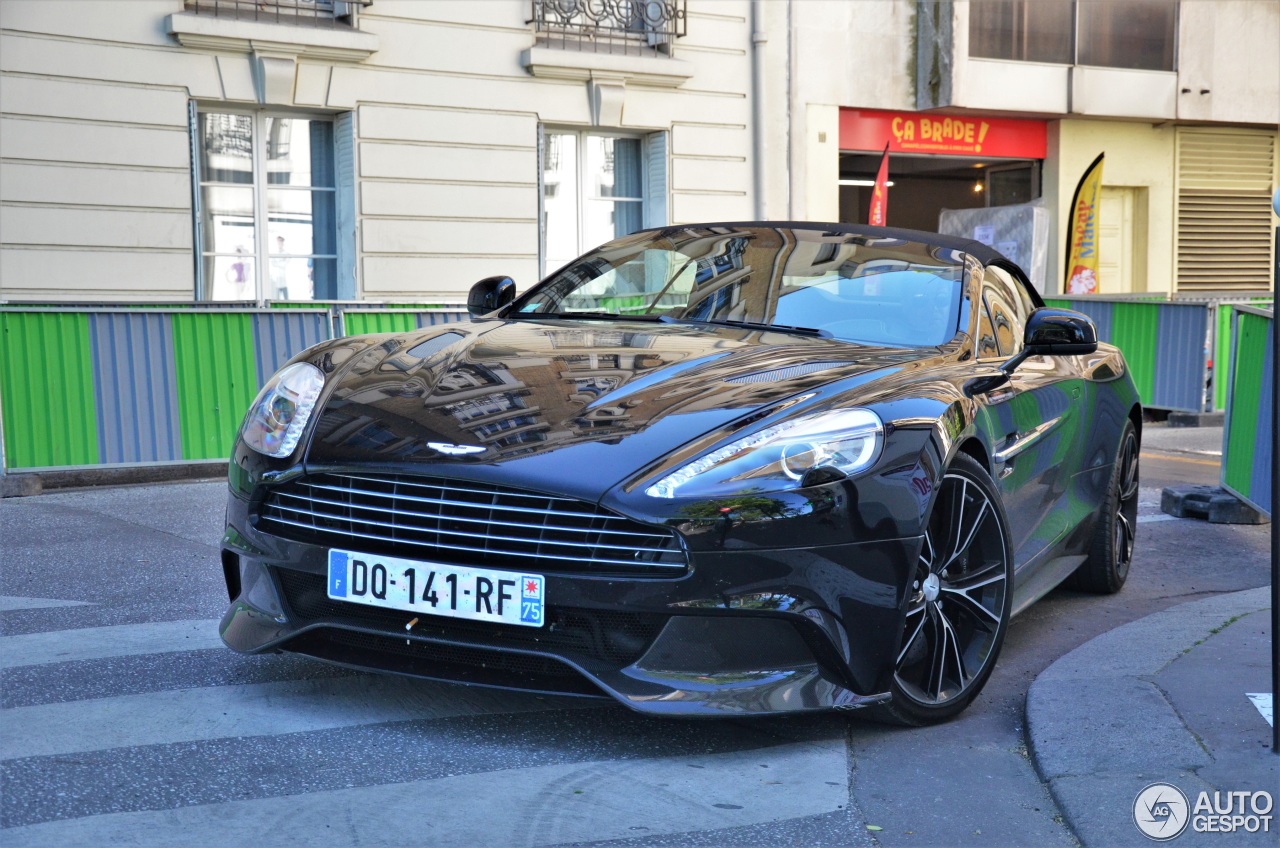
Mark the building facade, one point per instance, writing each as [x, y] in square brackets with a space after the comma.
[398, 150]
[169, 151]
[993, 102]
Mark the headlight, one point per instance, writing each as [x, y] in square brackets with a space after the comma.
[778, 457]
[280, 412]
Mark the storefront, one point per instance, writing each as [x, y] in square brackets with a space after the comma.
[937, 162]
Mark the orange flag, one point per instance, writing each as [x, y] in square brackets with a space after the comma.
[880, 194]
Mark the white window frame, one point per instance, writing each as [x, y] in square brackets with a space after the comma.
[653, 208]
[260, 186]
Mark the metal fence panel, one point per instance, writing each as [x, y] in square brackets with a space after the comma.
[137, 384]
[356, 322]
[217, 379]
[1246, 465]
[135, 387]
[46, 379]
[1179, 369]
[1224, 326]
[279, 336]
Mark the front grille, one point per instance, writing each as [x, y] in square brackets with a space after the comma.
[616, 639]
[461, 522]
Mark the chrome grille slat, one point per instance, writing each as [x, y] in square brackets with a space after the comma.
[479, 550]
[469, 490]
[467, 523]
[488, 536]
[429, 516]
[465, 504]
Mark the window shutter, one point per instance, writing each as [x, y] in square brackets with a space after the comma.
[344, 145]
[1224, 209]
[193, 130]
[655, 180]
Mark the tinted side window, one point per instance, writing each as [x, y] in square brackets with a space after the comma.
[1023, 306]
[1008, 329]
[987, 348]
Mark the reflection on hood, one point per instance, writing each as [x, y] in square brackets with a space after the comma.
[527, 388]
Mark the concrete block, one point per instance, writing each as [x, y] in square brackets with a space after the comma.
[1214, 504]
[20, 485]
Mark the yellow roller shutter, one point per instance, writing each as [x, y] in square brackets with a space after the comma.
[1224, 237]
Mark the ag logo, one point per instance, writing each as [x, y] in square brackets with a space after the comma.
[1161, 811]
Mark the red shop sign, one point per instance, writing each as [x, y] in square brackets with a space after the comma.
[951, 135]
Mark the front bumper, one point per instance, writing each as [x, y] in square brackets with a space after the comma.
[740, 632]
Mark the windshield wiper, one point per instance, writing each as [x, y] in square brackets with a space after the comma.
[590, 316]
[749, 325]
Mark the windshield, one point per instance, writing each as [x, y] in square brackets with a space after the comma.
[854, 287]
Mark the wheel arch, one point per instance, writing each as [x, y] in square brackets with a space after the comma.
[977, 451]
[1135, 418]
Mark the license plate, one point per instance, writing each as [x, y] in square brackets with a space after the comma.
[479, 594]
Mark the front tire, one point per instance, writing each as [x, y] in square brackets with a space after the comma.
[1111, 551]
[958, 604]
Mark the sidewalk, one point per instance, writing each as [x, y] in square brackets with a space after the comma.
[1159, 700]
[1205, 441]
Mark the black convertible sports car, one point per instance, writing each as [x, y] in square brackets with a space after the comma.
[707, 470]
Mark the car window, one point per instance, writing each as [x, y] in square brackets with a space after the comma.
[877, 291]
[650, 280]
[1016, 292]
[1007, 329]
[987, 348]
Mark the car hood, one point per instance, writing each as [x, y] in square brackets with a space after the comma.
[569, 407]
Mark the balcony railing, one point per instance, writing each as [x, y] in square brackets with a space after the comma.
[320, 13]
[635, 27]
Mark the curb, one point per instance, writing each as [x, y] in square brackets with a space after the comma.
[1099, 728]
[26, 484]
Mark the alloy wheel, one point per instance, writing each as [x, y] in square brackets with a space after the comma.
[957, 607]
[1126, 505]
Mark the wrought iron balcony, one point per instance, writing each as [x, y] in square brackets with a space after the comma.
[320, 13]
[635, 27]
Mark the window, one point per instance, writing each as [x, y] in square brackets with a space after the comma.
[1139, 34]
[1022, 30]
[597, 187]
[1023, 305]
[268, 204]
[772, 276]
[1135, 34]
[987, 348]
[1010, 308]
[1002, 320]
[631, 26]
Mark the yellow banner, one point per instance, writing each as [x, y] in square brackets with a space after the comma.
[1082, 232]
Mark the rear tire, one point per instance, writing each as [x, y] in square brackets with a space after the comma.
[958, 604]
[1111, 551]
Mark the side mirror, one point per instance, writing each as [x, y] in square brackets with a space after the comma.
[1049, 332]
[489, 294]
[1060, 332]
